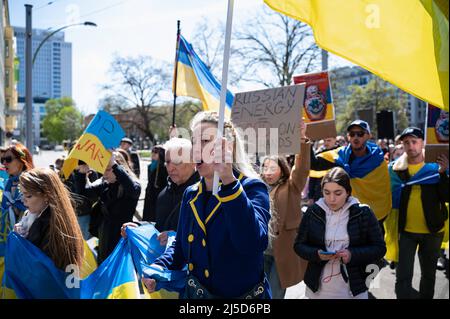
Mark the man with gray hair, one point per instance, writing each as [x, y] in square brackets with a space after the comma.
[182, 174]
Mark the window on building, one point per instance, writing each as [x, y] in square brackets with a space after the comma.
[7, 78]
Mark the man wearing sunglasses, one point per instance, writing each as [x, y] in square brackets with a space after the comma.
[364, 162]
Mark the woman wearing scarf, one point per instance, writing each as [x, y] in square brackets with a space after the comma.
[16, 160]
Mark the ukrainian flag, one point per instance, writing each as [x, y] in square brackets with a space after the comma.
[428, 174]
[103, 133]
[145, 248]
[369, 176]
[194, 79]
[405, 42]
[115, 278]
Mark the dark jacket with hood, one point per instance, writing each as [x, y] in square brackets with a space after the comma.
[366, 245]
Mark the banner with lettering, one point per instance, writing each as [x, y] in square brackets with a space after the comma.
[103, 133]
[436, 133]
[270, 119]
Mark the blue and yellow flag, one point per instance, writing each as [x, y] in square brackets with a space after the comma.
[405, 42]
[369, 176]
[115, 278]
[428, 174]
[103, 133]
[194, 79]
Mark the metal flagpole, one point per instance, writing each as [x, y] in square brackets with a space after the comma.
[223, 91]
[176, 74]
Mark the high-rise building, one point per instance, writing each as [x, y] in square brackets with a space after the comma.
[355, 75]
[8, 87]
[52, 71]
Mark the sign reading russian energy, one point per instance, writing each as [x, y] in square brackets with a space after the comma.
[103, 133]
[270, 119]
[436, 133]
[318, 108]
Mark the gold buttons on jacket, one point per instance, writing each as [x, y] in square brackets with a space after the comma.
[191, 267]
[206, 273]
[204, 243]
[190, 238]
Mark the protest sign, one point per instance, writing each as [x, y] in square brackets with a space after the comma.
[270, 119]
[103, 133]
[436, 133]
[318, 108]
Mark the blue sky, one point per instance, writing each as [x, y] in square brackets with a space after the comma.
[125, 27]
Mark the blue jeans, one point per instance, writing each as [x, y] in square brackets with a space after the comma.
[270, 268]
[84, 221]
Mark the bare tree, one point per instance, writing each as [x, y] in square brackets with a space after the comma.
[273, 47]
[208, 42]
[140, 83]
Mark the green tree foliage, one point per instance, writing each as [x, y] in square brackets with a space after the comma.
[377, 95]
[63, 120]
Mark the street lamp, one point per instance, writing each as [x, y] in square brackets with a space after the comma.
[86, 23]
[29, 62]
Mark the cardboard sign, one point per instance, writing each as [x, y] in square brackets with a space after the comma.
[107, 129]
[103, 133]
[270, 119]
[436, 133]
[318, 108]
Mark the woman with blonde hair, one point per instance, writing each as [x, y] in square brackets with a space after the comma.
[221, 238]
[50, 222]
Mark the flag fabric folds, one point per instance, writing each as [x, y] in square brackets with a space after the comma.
[405, 42]
[194, 79]
[428, 174]
[367, 173]
[103, 133]
[116, 278]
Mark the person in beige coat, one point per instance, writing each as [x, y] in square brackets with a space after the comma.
[283, 266]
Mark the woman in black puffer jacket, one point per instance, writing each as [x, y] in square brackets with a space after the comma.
[340, 238]
[117, 193]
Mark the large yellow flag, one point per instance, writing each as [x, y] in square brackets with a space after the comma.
[404, 42]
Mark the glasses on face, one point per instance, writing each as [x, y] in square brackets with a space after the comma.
[358, 133]
[6, 159]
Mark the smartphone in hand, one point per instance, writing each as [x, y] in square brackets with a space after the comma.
[323, 252]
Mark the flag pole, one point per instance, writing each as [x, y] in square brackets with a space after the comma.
[176, 74]
[223, 91]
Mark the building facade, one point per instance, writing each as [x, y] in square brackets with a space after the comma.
[52, 72]
[355, 75]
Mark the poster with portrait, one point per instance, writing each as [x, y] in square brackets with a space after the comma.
[318, 108]
[436, 133]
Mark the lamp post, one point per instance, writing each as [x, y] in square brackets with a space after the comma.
[86, 23]
[29, 62]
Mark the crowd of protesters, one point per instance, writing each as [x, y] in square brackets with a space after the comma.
[321, 220]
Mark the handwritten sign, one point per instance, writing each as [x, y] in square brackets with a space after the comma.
[107, 129]
[102, 133]
[436, 133]
[270, 119]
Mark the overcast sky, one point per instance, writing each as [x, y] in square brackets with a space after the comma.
[125, 27]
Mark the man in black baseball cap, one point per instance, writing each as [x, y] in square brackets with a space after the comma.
[412, 131]
[413, 143]
[421, 213]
